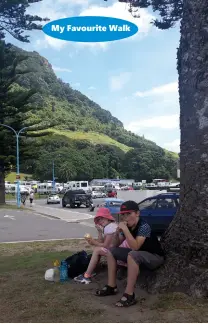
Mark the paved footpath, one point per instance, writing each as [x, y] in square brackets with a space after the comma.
[65, 214]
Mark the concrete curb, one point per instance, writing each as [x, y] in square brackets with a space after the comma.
[66, 220]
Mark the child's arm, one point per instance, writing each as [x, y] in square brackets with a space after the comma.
[100, 234]
[118, 238]
[100, 237]
[107, 241]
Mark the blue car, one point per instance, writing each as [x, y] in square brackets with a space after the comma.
[158, 211]
[113, 204]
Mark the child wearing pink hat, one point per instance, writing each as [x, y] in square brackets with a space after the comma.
[106, 226]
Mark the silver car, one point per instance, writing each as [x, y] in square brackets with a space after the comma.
[53, 199]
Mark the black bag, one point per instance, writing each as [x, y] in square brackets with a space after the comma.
[78, 263]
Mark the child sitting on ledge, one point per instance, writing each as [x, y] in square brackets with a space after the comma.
[106, 227]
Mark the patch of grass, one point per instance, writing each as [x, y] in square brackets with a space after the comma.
[48, 246]
[92, 137]
[37, 196]
[27, 297]
[7, 206]
[12, 176]
[171, 301]
[173, 154]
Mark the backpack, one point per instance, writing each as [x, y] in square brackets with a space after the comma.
[78, 263]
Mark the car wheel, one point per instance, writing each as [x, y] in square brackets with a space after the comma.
[78, 205]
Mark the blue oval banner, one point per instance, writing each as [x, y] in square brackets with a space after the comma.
[90, 29]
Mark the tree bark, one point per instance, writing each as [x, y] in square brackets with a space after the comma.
[2, 188]
[186, 241]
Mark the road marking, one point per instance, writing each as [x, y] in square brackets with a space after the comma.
[46, 216]
[11, 217]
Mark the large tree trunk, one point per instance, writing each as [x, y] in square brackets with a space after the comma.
[2, 188]
[186, 241]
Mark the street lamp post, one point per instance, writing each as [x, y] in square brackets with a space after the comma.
[53, 177]
[17, 134]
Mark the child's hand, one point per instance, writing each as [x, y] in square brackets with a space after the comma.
[99, 228]
[90, 240]
[122, 226]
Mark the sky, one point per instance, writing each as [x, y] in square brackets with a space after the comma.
[135, 78]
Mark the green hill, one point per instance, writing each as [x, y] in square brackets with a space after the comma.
[92, 137]
[12, 176]
[86, 141]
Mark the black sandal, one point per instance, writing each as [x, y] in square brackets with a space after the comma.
[106, 291]
[126, 300]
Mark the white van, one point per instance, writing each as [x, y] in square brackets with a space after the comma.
[44, 188]
[75, 185]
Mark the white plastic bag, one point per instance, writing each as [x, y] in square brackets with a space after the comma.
[49, 275]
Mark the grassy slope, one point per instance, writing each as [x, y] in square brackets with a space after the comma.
[12, 176]
[92, 137]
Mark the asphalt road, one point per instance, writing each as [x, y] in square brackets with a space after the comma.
[42, 202]
[27, 226]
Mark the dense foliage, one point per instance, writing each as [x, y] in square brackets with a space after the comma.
[82, 160]
[17, 111]
[15, 20]
[170, 11]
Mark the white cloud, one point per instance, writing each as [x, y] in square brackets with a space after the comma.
[119, 10]
[91, 88]
[169, 88]
[50, 9]
[47, 42]
[59, 69]
[173, 146]
[64, 8]
[83, 3]
[161, 122]
[117, 82]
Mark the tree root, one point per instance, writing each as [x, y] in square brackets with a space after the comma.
[176, 275]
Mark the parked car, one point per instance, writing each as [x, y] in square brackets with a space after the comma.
[174, 189]
[53, 199]
[113, 204]
[76, 198]
[112, 194]
[98, 194]
[159, 210]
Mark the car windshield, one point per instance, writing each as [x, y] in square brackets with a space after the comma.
[115, 203]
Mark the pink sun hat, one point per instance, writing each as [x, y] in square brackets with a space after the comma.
[105, 213]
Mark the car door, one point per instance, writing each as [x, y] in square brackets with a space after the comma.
[163, 214]
[147, 209]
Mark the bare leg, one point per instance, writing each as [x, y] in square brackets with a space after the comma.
[133, 272]
[112, 266]
[97, 253]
